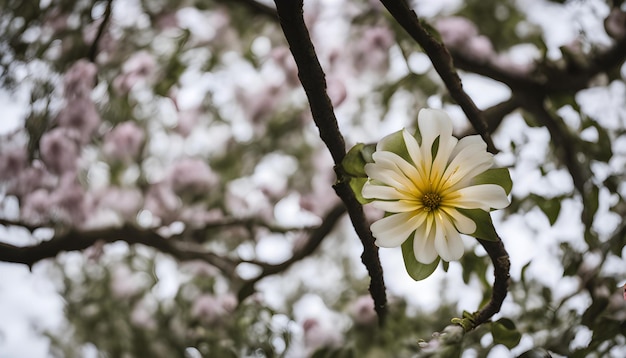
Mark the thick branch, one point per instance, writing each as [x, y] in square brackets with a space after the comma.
[442, 61]
[501, 266]
[314, 83]
[76, 241]
[548, 77]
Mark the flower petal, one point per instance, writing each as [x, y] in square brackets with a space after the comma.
[382, 192]
[397, 206]
[390, 177]
[392, 160]
[484, 196]
[413, 148]
[471, 161]
[393, 230]
[433, 123]
[448, 242]
[462, 223]
[424, 244]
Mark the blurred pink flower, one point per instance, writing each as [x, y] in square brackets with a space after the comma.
[124, 201]
[36, 206]
[318, 335]
[456, 31]
[59, 150]
[71, 201]
[462, 35]
[191, 175]
[12, 162]
[362, 311]
[80, 114]
[207, 308]
[123, 142]
[139, 68]
[125, 283]
[80, 79]
[372, 49]
[30, 179]
[162, 202]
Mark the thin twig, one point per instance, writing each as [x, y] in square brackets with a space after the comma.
[315, 239]
[442, 61]
[313, 81]
[93, 51]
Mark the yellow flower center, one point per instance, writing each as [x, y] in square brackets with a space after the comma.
[431, 201]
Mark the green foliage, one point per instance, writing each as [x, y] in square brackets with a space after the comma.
[504, 332]
[417, 270]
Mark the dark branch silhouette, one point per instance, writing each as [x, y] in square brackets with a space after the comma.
[442, 61]
[313, 81]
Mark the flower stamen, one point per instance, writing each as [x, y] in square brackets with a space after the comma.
[431, 201]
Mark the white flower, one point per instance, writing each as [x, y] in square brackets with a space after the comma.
[421, 186]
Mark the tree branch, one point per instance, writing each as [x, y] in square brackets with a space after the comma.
[93, 51]
[501, 267]
[313, 81]
[442, 61]
[315, 239]
[495, 114]
[76, 240]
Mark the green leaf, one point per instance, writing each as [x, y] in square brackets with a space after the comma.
[550, 207]
[504, 332]
[498, 176]
[417, 270]
[395, 143]
[484, 225]
[356, 184]
[435, 147]
[353, 163]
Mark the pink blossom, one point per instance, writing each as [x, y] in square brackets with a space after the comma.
[318, 335]
[80, 114]
[124, 201]
[142, 317]
[162, 202]
[125, 284]
[208, 308]
[192, 175]
[362, 310]
[259, 104]
[187, 120]
[59, 150]
[372, 50]
[479, 48]
[80, 79]
[139, 68]
[30, 179]
[124, 142]
[12, 162]
[456, 31]
[70, 200]
[36, 206]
